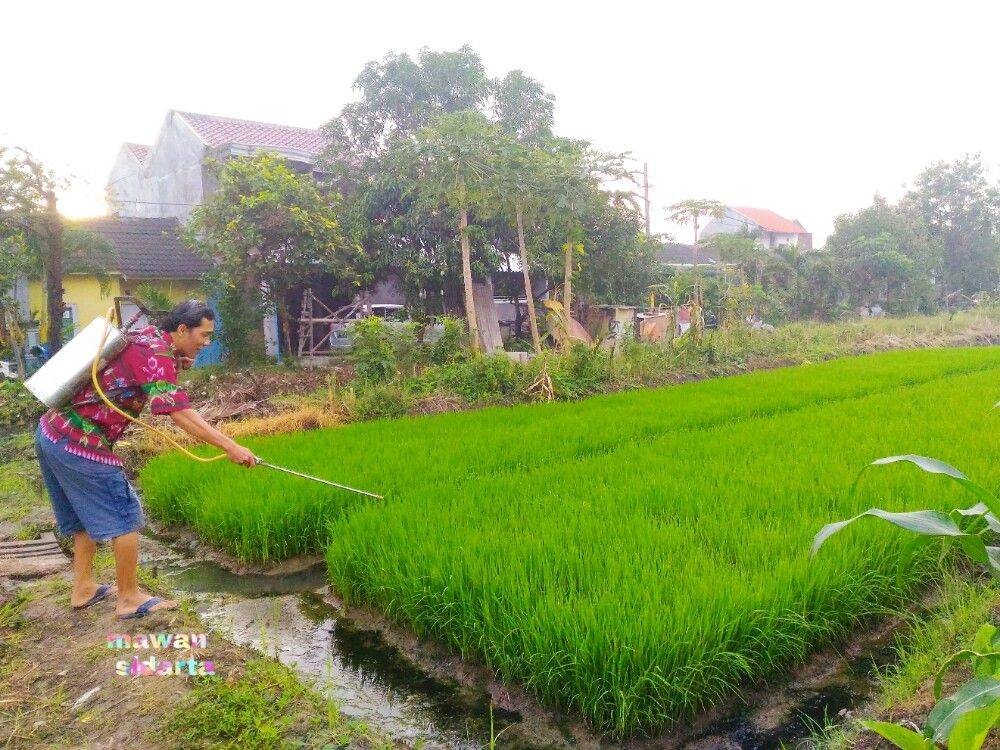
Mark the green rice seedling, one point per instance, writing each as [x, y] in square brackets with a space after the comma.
[637, 603]
[262, 517]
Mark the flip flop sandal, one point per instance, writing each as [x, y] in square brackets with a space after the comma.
[144, 609]
[99, 596]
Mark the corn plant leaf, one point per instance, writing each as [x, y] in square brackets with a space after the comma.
[934, 466]
[976, 510]
[965, 653]
[979, 509]
[970, 731]
[987, 638]
[979, 692]
[925, 522]
[901, 737]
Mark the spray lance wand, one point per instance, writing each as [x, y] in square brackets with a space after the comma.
[56, 382]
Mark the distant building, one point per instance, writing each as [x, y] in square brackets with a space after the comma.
[773, 230]
[679, 255]
[143, 251]
[169, 177]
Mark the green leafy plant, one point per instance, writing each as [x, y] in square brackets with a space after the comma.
[451, 345]
[371, 344]
[964, 718]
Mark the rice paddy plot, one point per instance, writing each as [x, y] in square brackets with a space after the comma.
[642, 585]
[259, 516]
[632, 558]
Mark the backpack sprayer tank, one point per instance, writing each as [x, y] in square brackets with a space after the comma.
[69, 369]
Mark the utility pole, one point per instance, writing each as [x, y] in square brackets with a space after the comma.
[645, 192]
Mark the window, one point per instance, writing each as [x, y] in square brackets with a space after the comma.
[71, 321]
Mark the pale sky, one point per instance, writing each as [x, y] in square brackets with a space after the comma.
[806, 108]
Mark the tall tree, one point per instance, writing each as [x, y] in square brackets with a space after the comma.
[523, 108]
[29, 214]
[961, 209]
[524, 113]
[450, 166]
[399, 96]
[37, 240]
[269, 229]
[887, 255]
[520, 189]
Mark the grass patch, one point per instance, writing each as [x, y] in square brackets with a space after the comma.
[265, 708]
[21, 488]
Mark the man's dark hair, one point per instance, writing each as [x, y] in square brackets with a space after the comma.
[190, 312]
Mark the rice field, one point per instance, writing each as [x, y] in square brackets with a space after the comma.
[632, 558]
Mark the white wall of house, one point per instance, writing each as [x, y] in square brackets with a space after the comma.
[170, 183]
[734, 223]
[730, 223]
[777, 239]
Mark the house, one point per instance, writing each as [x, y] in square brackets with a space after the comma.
[144, 251]
[773, 230]
[170, 177]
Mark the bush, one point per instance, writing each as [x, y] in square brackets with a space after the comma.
[374, 357]
[491, 378]
[19, 410]
[582, 371]
[451, 345]
[377, 401]
[239, 326]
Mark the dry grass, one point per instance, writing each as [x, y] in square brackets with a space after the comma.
[143, 444]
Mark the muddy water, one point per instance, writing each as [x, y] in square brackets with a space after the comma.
[286, 616]
[294, 618]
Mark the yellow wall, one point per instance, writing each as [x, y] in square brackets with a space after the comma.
[84, 291]
[177, 290]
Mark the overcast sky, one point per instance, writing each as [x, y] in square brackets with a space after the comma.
[806, 108]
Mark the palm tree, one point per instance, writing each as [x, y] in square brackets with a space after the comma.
[690, 212]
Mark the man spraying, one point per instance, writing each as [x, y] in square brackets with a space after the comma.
[91, 498]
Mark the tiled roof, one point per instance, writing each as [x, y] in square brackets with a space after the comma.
[220, 131]
[770, 221]
[139, 151]
[679, 254]
[147, 248]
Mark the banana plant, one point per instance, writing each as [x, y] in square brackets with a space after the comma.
[965, 718]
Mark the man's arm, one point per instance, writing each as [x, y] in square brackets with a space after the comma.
[194, 425]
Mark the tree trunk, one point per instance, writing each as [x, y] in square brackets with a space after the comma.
[529, 295]
[470, 306]
[568, 285]
[285, 324]
[52, 262]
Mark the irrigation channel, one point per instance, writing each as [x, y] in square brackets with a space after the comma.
[296, 617]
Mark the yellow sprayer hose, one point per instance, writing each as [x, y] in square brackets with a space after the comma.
[97, 387]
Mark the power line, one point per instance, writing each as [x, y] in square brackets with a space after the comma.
[152, 203]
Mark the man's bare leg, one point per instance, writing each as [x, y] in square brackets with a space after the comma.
[84, 586]
[130, 596]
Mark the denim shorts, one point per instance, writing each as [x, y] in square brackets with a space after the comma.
[87, 495]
